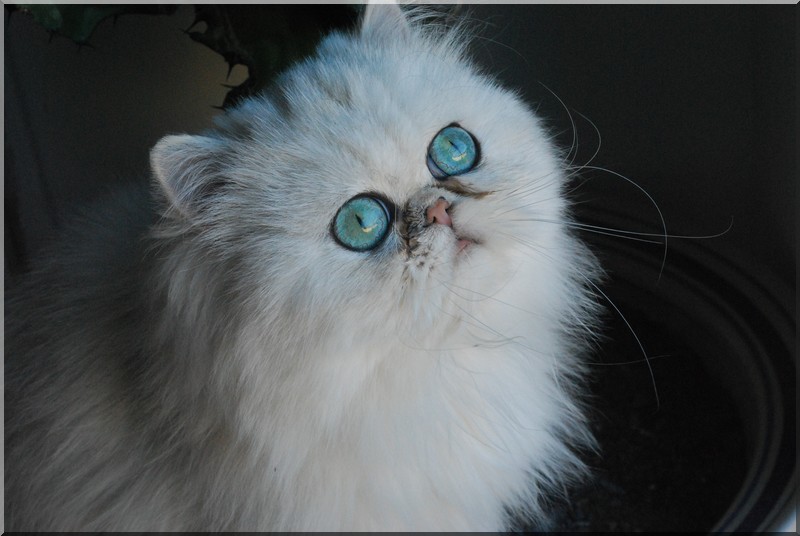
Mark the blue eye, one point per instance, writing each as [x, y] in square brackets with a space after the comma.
[362, 223]
[453, 151]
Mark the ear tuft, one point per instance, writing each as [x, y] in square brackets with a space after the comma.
[185, 166]
[384, 22]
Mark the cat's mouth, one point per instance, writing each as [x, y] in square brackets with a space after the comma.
[463, 240]
[464, 243]
[441, 213]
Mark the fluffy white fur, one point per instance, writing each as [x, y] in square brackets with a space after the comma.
[229, 366]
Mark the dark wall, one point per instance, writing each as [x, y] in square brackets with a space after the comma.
[78, 120]
[696, 104]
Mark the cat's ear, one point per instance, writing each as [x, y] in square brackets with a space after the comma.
[384, 22]
[187, 169]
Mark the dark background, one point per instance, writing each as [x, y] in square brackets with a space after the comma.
[694, 103]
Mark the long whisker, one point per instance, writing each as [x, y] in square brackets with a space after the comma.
[614, 306]
[599, 138]
[529, 188]
[539, 251]
[634, 362]
[652, 201]
[482, 296]
[407, 344]
[621, 233]
[636, 337]
[529, 204]
[502, 339]
[617, 233]
[574, 146]
[589, 227]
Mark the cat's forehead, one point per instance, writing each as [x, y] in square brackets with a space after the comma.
[364, 116]
[361, 87]
[395, 86]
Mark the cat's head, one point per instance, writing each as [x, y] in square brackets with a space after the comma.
[383, 187]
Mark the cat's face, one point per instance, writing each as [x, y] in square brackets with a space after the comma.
[382, 187]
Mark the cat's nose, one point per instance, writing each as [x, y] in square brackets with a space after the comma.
[437, 213]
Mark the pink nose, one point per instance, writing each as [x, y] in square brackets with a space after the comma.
[437, 213]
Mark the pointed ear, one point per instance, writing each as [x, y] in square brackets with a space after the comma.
[187, 168]
[384, 22]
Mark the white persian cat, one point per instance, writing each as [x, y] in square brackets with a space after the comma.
[354, 305]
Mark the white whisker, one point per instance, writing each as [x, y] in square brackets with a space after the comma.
[540, 251]
[574, 145]
[636, 337]
[665, 235]
[633, 362]
[599, 138]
